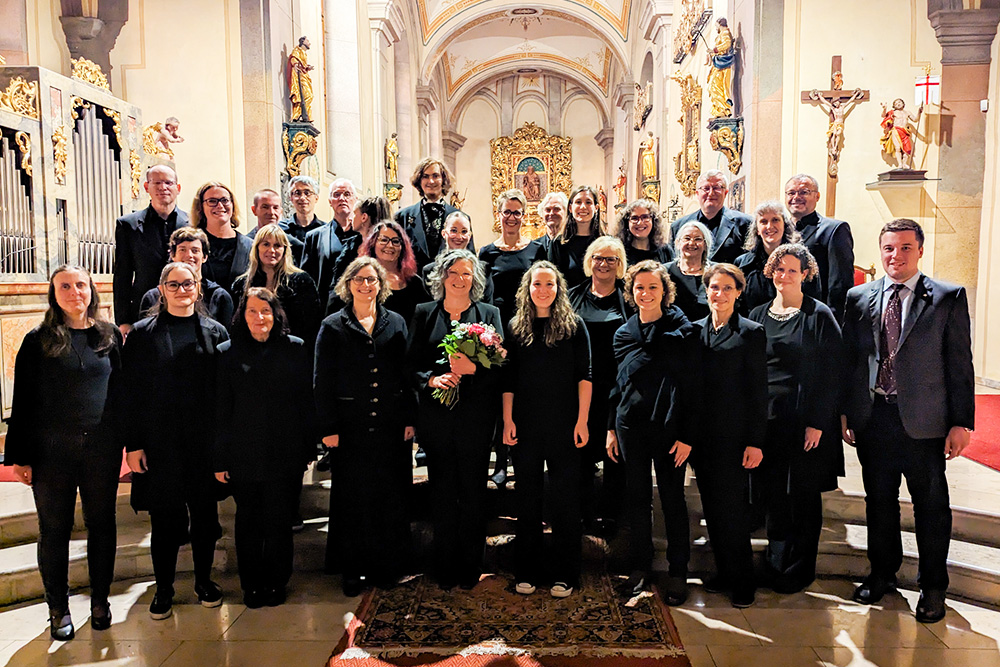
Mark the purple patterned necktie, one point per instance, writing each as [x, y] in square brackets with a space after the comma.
[892, 324]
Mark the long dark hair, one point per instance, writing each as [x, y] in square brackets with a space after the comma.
[53, 332]
[597, 227]
[280, 329]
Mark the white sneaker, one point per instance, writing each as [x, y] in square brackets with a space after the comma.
[524, 588]
[561, 590]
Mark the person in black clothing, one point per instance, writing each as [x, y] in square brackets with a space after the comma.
[215, 211]
[457, 440]
[600, 303]
[190, 245]
[548, 354]
[728, 228]
[390, 245]
[641, 230]
[583, 226]
[303, 191]
[60, 438]
[772, 227]
[323, 245]
[367, 212]
[731, 438]
[141, 243]
[804, 452]
[457, 235]
[552, 210]
[262, 453]
[271, 267]
[367, 408]
[172, 357]
[424, 220]
[693, 245]
[653, 419]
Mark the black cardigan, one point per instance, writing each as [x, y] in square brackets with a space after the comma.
[265, 422]
[299, 299]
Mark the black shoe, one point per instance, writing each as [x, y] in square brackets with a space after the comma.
[253, 599]
[61, 625]
[743, 596]
[930, 606]
[209, 594]
[500, 478]
[323, 465]
[636, 584]
[162, 606]
[717, 584]
[351, 586]
[275, 597]
[100, 615]
[469, 582]
[298, 525]
[873, 589]
[675, 591]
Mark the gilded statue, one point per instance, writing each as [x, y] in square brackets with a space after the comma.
[621, 184]
[300, 90]
[647, 155]
[721, 57]
[391, 159]
[898, 134]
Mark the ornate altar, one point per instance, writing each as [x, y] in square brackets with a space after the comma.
[687, 163]
[535, 162]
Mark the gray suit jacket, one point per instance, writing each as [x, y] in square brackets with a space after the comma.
[934, 374]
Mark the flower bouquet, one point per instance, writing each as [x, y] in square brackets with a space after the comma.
[480, 343]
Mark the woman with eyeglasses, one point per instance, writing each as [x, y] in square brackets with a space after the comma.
[693, 246]
[772, 227]
[367, 213]
[600, 303]
[170, 372]
[582, 227]
[457, 235]
[271, 267]
[457, 439]
[391, 247]
[215, 211]
[642, 232]
[367, 409]
[262, 453]
[60, 438]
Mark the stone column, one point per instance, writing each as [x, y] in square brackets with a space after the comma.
[386, 23]
[451, 143]
[624, 97]
[606, 140]
[262, 112]
[966, 37]
[427, 104]
[93, 37]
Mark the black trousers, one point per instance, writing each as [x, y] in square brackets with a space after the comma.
[55, 480]
[531, 454]
[170, 526]
[887, 454]
[603, 501]
[265, 512]
[724, 486]
[641, 448]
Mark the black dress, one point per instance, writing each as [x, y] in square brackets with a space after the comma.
[506, 267]
[545, 438]
[691, 296]
[804, 356]
[265, 451]
[568, 257]
[365, 395]
[61, 424]
[759, 289]
[457, 441]
[298, 298]
[603, 316]
[663, 254]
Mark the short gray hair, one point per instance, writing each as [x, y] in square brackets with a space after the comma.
[553, 194]
[337, 182]
[713, 173]
[513, 195]
[444, 261]
[709, 240]
[308, 181]
[788, 234]
[804, 177]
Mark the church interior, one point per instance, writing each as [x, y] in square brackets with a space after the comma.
[621, 95]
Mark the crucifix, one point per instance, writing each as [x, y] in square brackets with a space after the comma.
[837, 103]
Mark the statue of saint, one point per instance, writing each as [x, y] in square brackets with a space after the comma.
[643, 106]
[168, 135]
[898, 135]
[835, 131]
[532, 185]
[722, 57]
[300, 90]
[391, 159]
[602, 200]
[454, 199]
[647, 153]
[621, 184]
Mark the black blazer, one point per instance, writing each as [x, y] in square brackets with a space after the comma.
[241, 262]
[759, 289]
[728, 237]
[299, 300]
[734, 377]
[693, 302]
[218, 302]
[411, 219]
[296, 234]
[139, 259]
[659, 382]
[254, 443]
[934, 373]
[832, 245]
[362, 384]
[319, 256]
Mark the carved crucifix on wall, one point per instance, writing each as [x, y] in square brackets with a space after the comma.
[837, 103]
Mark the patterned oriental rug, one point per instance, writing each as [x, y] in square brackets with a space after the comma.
[417, 623]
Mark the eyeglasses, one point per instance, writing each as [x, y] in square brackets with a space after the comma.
[640, 218]
[610, 261]
[365, 280]
[798, 193]
[512, 214]
[215, 201]
[166, 184]
[394, 241]
[345, 194]
[184, 285]
[705, 189]
[302, 193]
[696, 240]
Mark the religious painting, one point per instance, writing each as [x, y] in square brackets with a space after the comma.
[536, 163]
[737, 194]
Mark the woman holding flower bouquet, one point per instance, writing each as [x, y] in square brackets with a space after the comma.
[459, 400]
[549, 355]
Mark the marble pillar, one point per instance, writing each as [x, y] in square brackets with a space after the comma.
[262, 109]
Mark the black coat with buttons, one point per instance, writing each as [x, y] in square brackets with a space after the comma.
[361, 381]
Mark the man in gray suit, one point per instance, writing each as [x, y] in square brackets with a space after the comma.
[728, 227]
[909, 405]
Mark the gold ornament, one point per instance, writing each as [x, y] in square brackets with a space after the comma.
[687, 163]
[89, 72]
[135, 163]
[20, 97]
[149, 139]
[117, 117]
[77, 104]
[727, 138]
[296, 150]
[60, 153]
[23, 141]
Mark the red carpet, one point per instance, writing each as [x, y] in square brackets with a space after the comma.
[985, 443]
